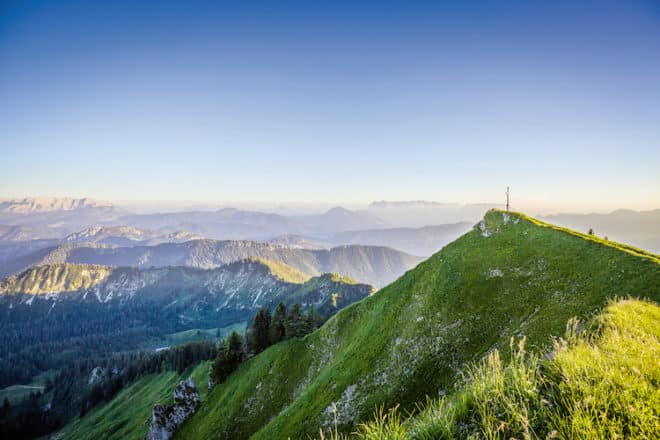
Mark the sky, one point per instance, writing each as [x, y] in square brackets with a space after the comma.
[331, 101]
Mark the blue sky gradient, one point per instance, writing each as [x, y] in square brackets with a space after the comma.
[332, 101]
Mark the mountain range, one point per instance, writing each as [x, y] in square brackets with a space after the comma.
[203, 297]
[370, 264]
[128, 236]
[57, 217]
[231, 223]
[31, 205]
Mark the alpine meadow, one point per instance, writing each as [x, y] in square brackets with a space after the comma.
[364, 220]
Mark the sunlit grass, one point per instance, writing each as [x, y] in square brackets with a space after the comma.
[599, 384]
[623, 247]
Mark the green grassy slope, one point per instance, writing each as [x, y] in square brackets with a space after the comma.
[194, 335]
[128, 414]
[511, 276]
[17, 393]
[600, 383]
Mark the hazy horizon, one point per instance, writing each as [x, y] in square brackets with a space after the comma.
[304, 207]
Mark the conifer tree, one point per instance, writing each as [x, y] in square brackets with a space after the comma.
[278, 324]
[229, 357]
[295, 322]
[235, 351]
[313, 319]
[259, 333]
[219, 370]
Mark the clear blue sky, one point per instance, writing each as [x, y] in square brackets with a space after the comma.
[332, 101]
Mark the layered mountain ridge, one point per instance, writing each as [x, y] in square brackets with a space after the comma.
[128, 236]
[370, 264]
[203, 294]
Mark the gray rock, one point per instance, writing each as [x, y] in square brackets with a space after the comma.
[166, 419]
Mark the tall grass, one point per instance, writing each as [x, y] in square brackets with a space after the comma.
[386, 425]
[603, 383]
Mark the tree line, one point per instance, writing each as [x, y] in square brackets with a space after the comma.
[44, 340]
[73, 392]
[266, 329]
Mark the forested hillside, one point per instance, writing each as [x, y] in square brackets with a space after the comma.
[54, 314]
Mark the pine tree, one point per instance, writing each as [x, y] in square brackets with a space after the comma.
[260, 332]
[313, 319]
[295, 322]
[234, 351]
[229, 357]
[217, 367]
[278, 324]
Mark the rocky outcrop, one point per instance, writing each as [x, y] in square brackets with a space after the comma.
[166, 419]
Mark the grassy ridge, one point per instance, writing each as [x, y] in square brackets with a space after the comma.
[510, 277]
[600, 384]
[128, 414]
[621, 246]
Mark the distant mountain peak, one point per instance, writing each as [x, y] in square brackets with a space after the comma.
[338, 210]
[94, 231]
[128, 236]
[30, 205]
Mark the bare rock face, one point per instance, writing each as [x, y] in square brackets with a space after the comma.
[166, 419]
